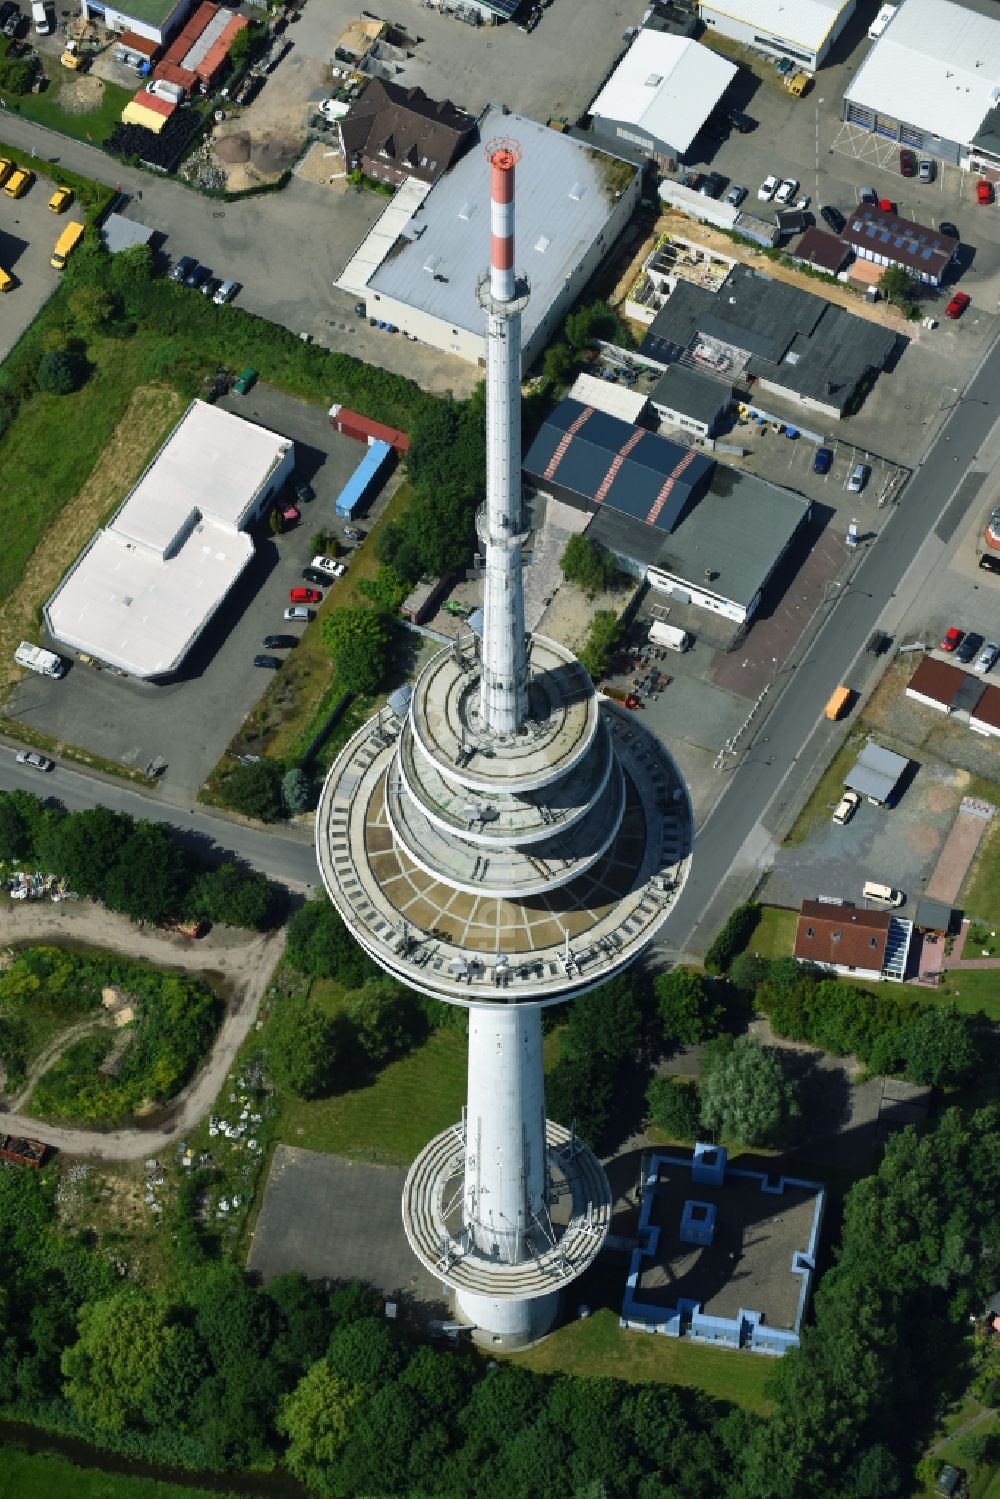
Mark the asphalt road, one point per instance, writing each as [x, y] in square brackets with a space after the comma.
[284, 854]
[884, 585]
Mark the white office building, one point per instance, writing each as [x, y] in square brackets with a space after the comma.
[801, 30]
[660, 95]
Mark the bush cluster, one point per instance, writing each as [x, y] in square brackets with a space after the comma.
[733, 938]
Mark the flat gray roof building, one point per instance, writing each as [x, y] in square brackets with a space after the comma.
[876, 773]
[120, 233]
[573, 201]
[693, 399]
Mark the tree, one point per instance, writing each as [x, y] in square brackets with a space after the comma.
[366, 1352]
[588, 564]
[358, 641]
[599, 646]
[897, 285]
[748, 971]
[941, 1047]
[317, 1418]
[674, 1107]
[85, 847]
[558, 363]
[296, 792]
[386, 1018]
[302, 1047]
[15, 842]
[254, 789]
[320, 945]
[689, 1011]
[243, 44]
[59, 372]
[148, 876]
[232, 896]
[130, 270]
[90, 307]
[16, 75]
[744, 1093]
[118, 1359]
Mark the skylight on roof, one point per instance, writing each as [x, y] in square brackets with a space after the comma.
[542, 243]
[654, 80]
[465, 212]
[577, 191]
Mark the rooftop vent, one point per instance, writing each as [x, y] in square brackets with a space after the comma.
[654, 80]
[431, 264]
[542, 243]
[577, 191]
[465, 212]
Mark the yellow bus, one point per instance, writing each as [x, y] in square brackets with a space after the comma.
[65, 243]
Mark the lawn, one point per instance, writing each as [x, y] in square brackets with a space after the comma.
[972, 989]
[597, 1345]
[774, 935]
[391, 1118]
[829, 790]
[43, 1475]
[981, 893]
[93, 125]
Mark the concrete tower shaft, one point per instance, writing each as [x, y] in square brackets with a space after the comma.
[504, 682]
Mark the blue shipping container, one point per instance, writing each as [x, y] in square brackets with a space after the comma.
[358, 485]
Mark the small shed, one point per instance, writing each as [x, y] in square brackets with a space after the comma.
[120, 233]
[948, 1481]
[934, 917]
[821, 251]
[877, 773]
[608, 395]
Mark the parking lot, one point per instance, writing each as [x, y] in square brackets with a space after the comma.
[28, 231]
[189, 722]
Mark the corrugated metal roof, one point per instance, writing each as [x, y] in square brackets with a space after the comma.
[876, 772]
[805, 22]
[565, 195]
[937, 65]
[609, 396]
[667, 85]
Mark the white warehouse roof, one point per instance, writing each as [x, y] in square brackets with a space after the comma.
[667, 85]
[937, 66]
[143, 589]
[566, 191]
[807, 22]
[608, 395]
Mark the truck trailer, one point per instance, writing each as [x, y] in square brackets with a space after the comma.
[34, 658]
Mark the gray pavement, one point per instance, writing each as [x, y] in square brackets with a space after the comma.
[28, 231]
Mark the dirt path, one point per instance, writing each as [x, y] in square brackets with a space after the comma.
[245, 962]
[43, 1062]
[984, 1415]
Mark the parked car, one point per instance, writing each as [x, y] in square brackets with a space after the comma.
[290, 514]
[304, 493]
[823, 460]
[244, 381]
[313, 575]
[833, 218]
[299, 613]
[713, 185]
[768, 188]
[867, 195]
[304, 596]
[860, 475]
[60, 199]
[950, 229]
[6, 167]
[949, 640]
[11, 21]
[210, 287]
[280, 642]
[846, 807]
[786, 191]
[353, 534]
[197, 276]
[248, 89]
[18, 182]
[957, 305]
[907, 162]
[925, 169]
[984, 191]
[989, 564]
[273, 662]
[225, 293]
[736, 194]
[987, 657]
[971, 643]
[36, 761]
[182, 268]
[691, 180]
[328, 565]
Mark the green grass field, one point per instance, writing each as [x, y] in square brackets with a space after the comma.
[981, 893]
[38, 1475]
[597, 1345]
[93, 125]
[829, 790]
[774, 934]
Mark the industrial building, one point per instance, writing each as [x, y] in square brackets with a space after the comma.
[777, 337]
[932, 81]
[821, 251]
[701, 1253]
[392, 133]
[659, 96]
[144, 588]
[851, 940]
[421, 274]
[881, 236]
[691, 401]
[704, 534]
[804, 31]
[154, 20]
[200, 52]
[503, 838]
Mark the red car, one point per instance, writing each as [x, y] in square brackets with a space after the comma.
[950, 640]
[887, 205]
[907, 162]
[304, 596]
[957, 305]
[984, 191]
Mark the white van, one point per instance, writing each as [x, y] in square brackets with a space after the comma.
[671, 636]
[884, 894]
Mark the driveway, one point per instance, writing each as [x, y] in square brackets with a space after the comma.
[28, 232]
[243, 962]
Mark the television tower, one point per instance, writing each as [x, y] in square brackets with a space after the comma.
[503, 838]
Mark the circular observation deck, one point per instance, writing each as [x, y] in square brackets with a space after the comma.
[471, 946]
[579, 1215]
[558, 732]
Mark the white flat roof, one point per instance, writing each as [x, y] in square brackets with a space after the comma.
[937, 65]
[807, 22]
[381, 237]
[145, 587]
[566, 192]
[667, 85]
[608, 395]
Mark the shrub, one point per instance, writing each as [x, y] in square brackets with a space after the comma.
[599, 646]
[733, 938]
[588, 563]
[674, 1107]
[255, 790]
[296, 792]
[59, 372]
